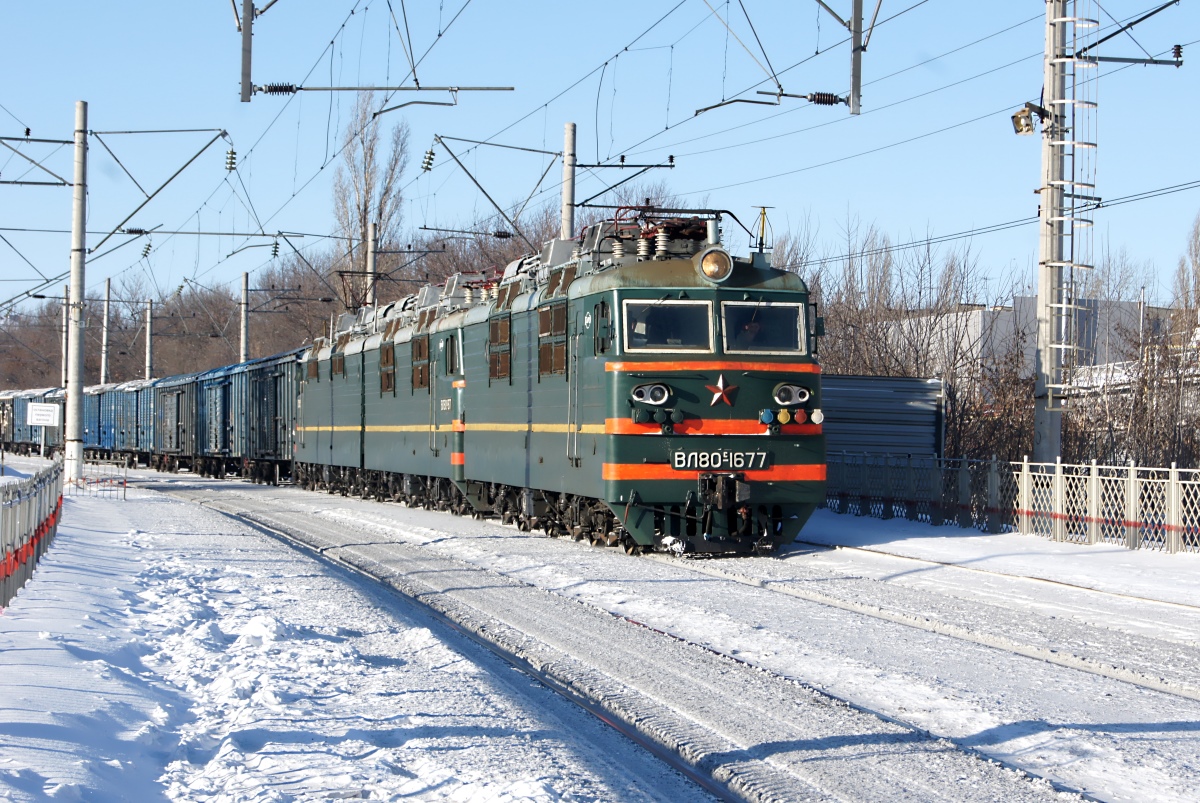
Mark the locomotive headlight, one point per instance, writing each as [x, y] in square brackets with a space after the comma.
[651, 394]
[714, 264]
[789, 395]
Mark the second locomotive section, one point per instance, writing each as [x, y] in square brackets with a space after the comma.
[668, 399]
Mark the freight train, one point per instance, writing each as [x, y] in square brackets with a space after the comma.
[636, 385]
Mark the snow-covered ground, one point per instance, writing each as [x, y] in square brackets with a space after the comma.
[163, 651]
[166, 650]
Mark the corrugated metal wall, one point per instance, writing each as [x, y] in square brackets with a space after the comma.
[878, 414]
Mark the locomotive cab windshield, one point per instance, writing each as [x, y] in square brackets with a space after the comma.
[668, 326]
[763, 327]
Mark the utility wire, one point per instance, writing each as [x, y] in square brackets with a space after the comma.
[794, 109]
[670, 127]
[770, 73]
[22, 256]
[844, 119]
[1023, 22]
[760, 44]
[995, 227]
[873, 110]
[10, 114]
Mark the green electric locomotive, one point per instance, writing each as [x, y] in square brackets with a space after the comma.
[635, 385]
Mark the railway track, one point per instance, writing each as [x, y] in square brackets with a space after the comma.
[1148, 663]
[741, 732]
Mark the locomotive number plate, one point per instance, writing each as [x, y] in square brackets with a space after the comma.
[719, 460]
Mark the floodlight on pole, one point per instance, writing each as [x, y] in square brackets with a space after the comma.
[1023, 122]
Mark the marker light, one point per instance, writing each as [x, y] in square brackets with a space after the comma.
[714, 264]
[651, 394]
[791, 394]
[816, 416]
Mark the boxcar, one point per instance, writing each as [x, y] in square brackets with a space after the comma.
[268, 416]
[98, 421]
[147, 420]
[122, 400]
[217, 444]
[175, 422]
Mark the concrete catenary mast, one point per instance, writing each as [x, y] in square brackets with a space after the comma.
[104, 333]
[372, 247]
[73, 442]
[149, 338]
[244, 350]
[567, 230]
[64, 332]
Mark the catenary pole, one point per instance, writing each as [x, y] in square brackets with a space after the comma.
[104, 333]
[244, 352]
[568, 186]
[64, 332]
[73, 441]
[372, 247]
[1047, 415]
[247, 33]
[856, 49]
[149, 338]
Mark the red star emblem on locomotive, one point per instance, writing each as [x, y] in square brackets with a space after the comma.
[721, 391]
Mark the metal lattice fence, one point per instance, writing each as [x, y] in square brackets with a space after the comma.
[1138, 507]
[100, 478]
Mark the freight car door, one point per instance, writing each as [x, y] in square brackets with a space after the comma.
[215, 408]
[170, 423]
[271, 422]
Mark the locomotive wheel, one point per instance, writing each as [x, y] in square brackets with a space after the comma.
[630, 546]
[611, 539]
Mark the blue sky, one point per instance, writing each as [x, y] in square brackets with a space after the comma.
[932, 154]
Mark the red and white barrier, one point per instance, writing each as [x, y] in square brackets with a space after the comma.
[29, 514]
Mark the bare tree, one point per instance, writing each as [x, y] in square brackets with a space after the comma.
[367, 189]
[1187, 274]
